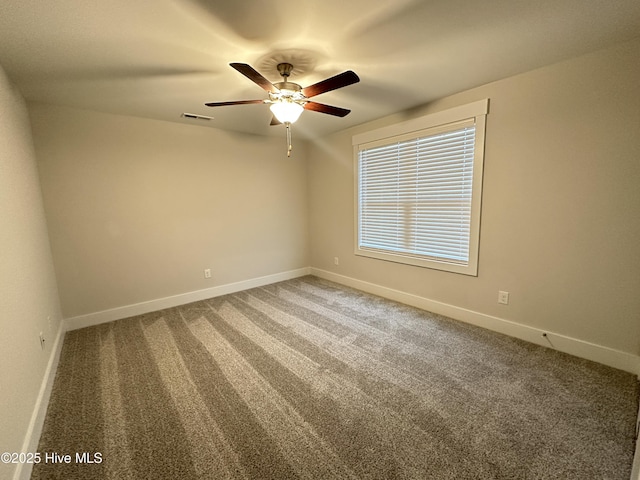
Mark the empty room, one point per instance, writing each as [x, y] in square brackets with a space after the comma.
[314, 240]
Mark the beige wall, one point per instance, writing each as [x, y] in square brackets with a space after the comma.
[27, 282]
[138, 208]
[561, 203]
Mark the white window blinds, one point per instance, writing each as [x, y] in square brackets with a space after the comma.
[415, 195]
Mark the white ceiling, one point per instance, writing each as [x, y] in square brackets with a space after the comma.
[160, 58]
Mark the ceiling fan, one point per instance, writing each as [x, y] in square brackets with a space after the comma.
[287, 99]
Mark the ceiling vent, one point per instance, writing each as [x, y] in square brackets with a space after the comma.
[193, 116]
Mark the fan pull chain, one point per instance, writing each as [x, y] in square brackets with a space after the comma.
[289, 147]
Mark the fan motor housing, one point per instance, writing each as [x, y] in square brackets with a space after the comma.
[294, 87]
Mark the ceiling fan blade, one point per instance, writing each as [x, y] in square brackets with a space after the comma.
[275, 121]
[249, 72]
[322, 108]
[341, 80]
[237, 102]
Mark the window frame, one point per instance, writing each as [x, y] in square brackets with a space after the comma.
[416, 128]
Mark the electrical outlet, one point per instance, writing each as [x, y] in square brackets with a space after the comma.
[336, 261]
[503, 297]
[42, 340]
[207, 273]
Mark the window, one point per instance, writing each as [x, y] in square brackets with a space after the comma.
[419, 190]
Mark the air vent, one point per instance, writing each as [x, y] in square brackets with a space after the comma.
[193, 116]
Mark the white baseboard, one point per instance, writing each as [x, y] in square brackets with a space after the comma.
[32, 438]
[597, 353]
[118, 313]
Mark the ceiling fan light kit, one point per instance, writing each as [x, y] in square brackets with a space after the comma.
[286, 111]
[287, 99]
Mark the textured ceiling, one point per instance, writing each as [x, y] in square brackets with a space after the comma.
[160, 58]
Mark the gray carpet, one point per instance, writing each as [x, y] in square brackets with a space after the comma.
[308, 379]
